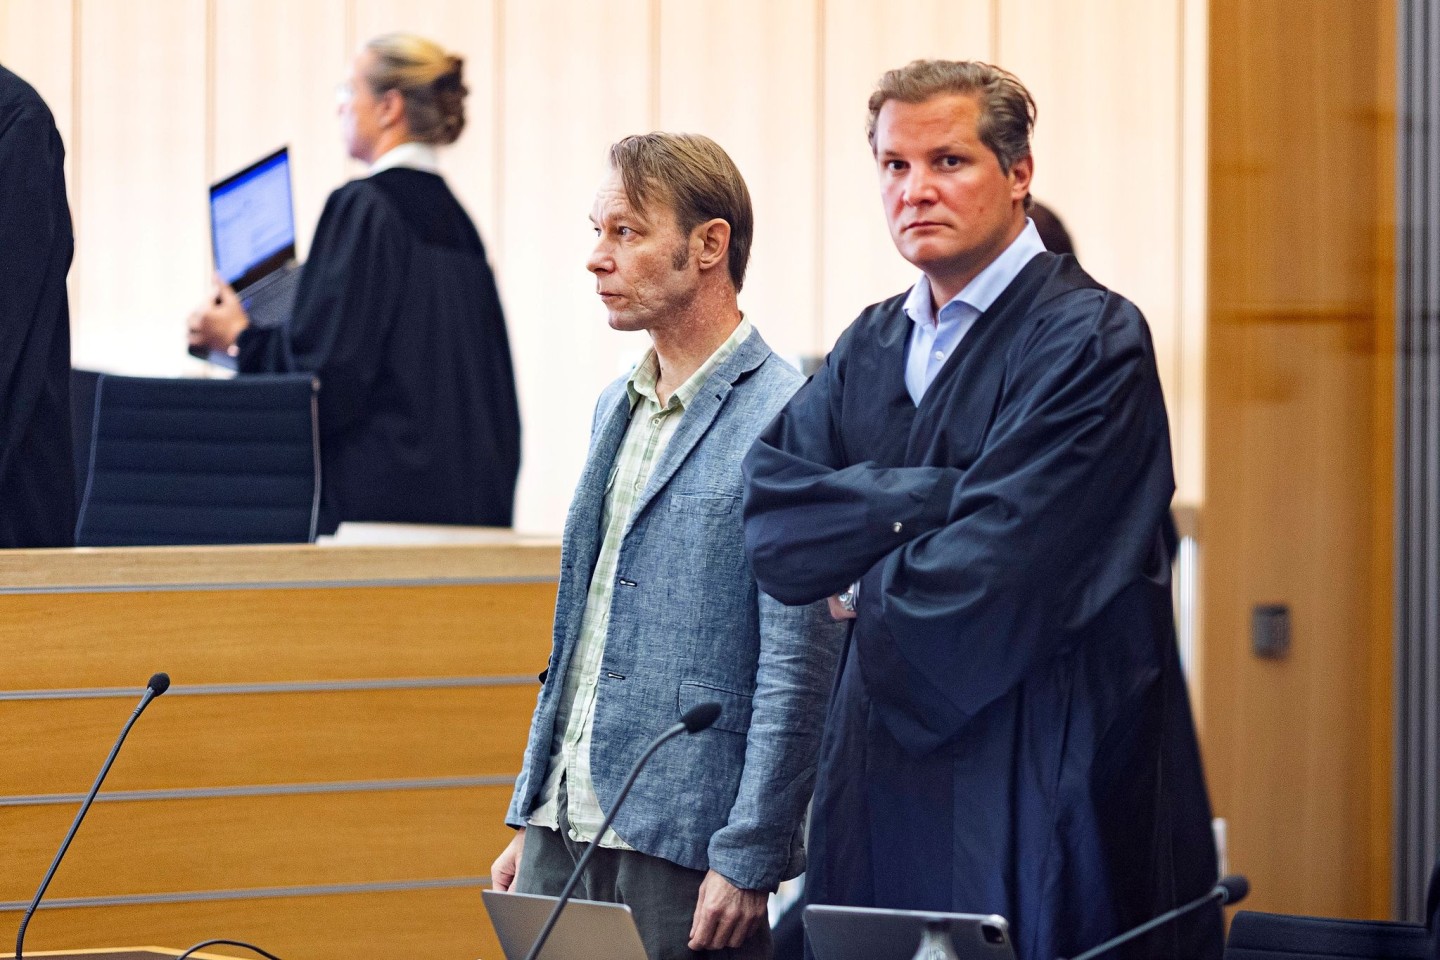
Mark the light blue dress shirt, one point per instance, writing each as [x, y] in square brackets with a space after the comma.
[932, 342]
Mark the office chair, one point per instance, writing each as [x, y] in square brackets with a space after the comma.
[1278, 936]
[174, 461]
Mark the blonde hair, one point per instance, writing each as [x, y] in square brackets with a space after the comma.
[428, 80]
[694, 175]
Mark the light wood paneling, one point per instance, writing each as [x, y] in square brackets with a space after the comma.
[275, 68]
[736, 72]
[861, 41]
[341, 634]
[443, 924]
[466, 28]
[238, 843]
[497, 556]
[332, 737]
[1107, 147]
[1298, 458]
[35, 42]
[578, 77]
[143, 244]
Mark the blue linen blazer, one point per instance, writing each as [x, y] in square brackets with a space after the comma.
[687, 625]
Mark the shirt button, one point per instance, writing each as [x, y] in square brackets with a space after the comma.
[655, 422]
[898, 526]
[939, 355]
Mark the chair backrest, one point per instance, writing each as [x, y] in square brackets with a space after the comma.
[1278, 936]
[175, 461]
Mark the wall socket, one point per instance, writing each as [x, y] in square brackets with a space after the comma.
[1270, 630]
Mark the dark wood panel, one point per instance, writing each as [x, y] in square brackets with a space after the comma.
[1298, 447]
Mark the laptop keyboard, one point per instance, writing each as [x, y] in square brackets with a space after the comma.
[270, 302]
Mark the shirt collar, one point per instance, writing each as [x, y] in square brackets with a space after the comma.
[987, 285]
[646, 375]
[413, 154]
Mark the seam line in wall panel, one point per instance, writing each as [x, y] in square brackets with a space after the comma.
[277, 585]
[818, 346]
[301, 686]
[263, 790]
[256, 893]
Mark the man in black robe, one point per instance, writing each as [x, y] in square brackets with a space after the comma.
[979, 476]
[37, 481]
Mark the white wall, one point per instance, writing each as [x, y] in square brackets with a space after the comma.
[156, 98]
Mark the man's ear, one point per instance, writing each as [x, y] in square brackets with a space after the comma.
[1022, 171]
[710, 242]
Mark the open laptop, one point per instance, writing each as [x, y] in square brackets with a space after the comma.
[872, 933]
[586, 930]
[252, 235]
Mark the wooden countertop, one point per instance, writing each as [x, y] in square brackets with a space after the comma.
[375, 554]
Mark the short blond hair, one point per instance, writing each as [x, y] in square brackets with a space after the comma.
[429, 83]
[694, 175]
[1007, 111]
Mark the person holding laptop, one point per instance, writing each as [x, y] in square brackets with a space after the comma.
[396, 313]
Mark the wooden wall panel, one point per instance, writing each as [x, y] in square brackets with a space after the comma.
[36, 42]
[206, 636]
[238, 843]
[1298, 456]
[861, 41]
[143, 244]
[1107, 147]
[466, 28]
[187, 742]
[736, 72]
[578, 77]
[275, 68]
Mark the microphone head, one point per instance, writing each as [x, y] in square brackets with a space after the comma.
[700, 716]
[1233, 888]
[159, 683]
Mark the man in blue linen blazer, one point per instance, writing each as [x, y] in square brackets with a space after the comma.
[687, 623]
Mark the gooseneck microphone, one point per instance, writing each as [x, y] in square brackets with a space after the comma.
[694, 720]
[1230, 890]
[158, 684]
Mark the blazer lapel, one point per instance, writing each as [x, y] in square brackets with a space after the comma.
[590, 492]
[700, 415]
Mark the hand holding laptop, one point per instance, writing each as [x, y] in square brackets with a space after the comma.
[218, 323]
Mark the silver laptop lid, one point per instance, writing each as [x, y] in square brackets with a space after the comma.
[586, 929]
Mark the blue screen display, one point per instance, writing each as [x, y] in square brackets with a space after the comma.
[251, 218]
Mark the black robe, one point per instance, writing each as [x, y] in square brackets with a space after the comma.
[398, 315]
[1011, 731]
[37, 481]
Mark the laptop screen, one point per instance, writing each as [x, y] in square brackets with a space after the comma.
[252, 224]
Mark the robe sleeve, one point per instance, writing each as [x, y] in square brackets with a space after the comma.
[30, 229]
[813, 524]
[351, 291]
[1060, 511]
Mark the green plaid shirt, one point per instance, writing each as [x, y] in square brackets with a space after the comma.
[650, 430]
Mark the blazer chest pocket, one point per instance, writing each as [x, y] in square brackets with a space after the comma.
[735, 708]
[704, 504]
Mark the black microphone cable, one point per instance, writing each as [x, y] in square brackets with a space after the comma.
[227, 943]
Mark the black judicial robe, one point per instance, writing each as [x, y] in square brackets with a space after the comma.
[1010, 732]
[37, 479]
[398, 315]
